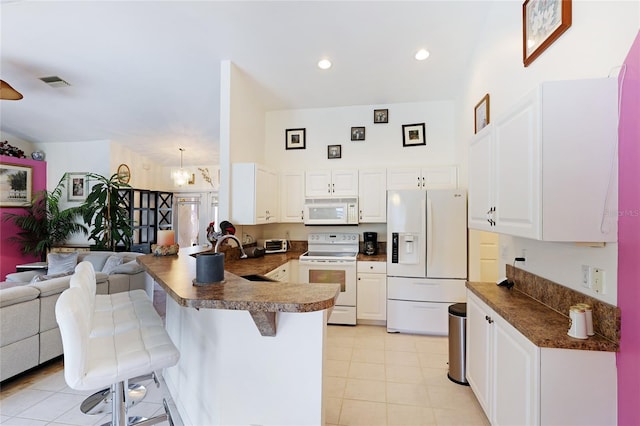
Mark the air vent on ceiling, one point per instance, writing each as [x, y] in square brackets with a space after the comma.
[55, 81]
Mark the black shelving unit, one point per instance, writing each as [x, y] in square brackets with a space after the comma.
[149, 212]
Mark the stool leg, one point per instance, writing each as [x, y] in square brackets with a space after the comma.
[118, 407]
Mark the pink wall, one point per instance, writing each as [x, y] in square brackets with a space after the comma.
[10, 254]
[629, 240]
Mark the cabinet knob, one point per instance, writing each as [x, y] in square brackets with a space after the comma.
[488, 318]
[329, 188]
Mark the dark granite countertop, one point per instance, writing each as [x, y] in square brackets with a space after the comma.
[540, 324]
[176, 273]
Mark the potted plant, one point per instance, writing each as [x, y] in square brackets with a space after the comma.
[108, 217]
[44, 225]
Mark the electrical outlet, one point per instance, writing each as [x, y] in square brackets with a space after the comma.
[586, 276]
[597, 280]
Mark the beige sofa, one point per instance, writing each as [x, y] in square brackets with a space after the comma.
[29, 333]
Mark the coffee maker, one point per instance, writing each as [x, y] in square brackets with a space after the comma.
[370, 243]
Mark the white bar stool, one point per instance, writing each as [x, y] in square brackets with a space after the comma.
[133, 343]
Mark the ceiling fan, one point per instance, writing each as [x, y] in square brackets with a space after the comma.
[9, 93]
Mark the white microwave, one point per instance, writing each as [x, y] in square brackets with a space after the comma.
[333, 211]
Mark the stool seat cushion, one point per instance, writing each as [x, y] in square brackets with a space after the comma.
[109, 338]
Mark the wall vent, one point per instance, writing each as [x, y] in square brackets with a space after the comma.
[55, 81]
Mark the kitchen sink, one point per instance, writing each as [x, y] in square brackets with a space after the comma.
[256, 277]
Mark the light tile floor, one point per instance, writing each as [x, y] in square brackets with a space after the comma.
[42, 397]
[377, 378]
[371, 378]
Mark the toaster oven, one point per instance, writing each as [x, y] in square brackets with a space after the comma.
[274, 245]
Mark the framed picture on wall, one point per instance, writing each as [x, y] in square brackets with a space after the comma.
[16, 185]
[481, 114]
[543, 21]
[380, 115]
[413, 134]
[334, 151]
[77, 186]
[357, 133]
[295, 138]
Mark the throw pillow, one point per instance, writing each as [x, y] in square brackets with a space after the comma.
[39, 278]
[59, 263]
[111, 264]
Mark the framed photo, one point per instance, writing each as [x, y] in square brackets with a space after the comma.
[481, 114]
[380, 115]
[357, 133]
[334, 151]
[295, 138]
[16, 185]
[543, 21]
[413, 134]
[77, 186]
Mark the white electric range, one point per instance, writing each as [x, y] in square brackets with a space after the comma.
[331, 259]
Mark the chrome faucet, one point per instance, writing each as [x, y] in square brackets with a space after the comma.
[233, 237]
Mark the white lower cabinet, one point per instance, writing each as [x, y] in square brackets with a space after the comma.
[519, 383]
[281, 273]
[371, 302]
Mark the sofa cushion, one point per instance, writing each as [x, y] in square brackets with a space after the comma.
[128, 268]
[18, 294]
[97, 259]
[24, 276]
[111, 263]
[61, 262]
[52, 286]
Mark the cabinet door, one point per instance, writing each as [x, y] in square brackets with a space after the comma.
[372, 196]
[517, 167]
[318, 183]
[281, 273]
[372, 297]
[516, 371]
[481, 180]
[344, 183]
[406, 178]
[479, 341]
[266, 195]
[291, 196]
[441, 177]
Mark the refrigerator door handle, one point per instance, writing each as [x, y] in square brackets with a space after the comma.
[429, 231]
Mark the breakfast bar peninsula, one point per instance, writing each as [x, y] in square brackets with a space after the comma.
[250, 352]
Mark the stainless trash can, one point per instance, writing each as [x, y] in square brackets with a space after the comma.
[458, 343]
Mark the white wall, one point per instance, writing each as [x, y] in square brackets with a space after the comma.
[597, 42]
[383, 141]
[242, 127]
[145, 174]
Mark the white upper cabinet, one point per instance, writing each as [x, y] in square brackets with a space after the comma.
[546, 168]
[372, 195]
[331, 183]
[291, 196]
[481, 177]
[254, 194]
[434, 177]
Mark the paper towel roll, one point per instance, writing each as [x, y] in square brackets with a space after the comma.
[209, 268]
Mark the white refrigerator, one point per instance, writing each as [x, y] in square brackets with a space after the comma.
[426, 258]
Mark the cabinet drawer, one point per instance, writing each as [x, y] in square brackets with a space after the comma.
[426, 290]
[372, 267]
[418, 317]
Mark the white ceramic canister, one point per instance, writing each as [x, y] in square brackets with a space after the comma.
[588, 311]
[578, 324]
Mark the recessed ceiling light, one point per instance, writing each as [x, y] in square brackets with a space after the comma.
[324, 64]
[422, 54]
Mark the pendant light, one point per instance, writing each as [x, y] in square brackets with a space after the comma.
[9, 93]
[180, 177]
